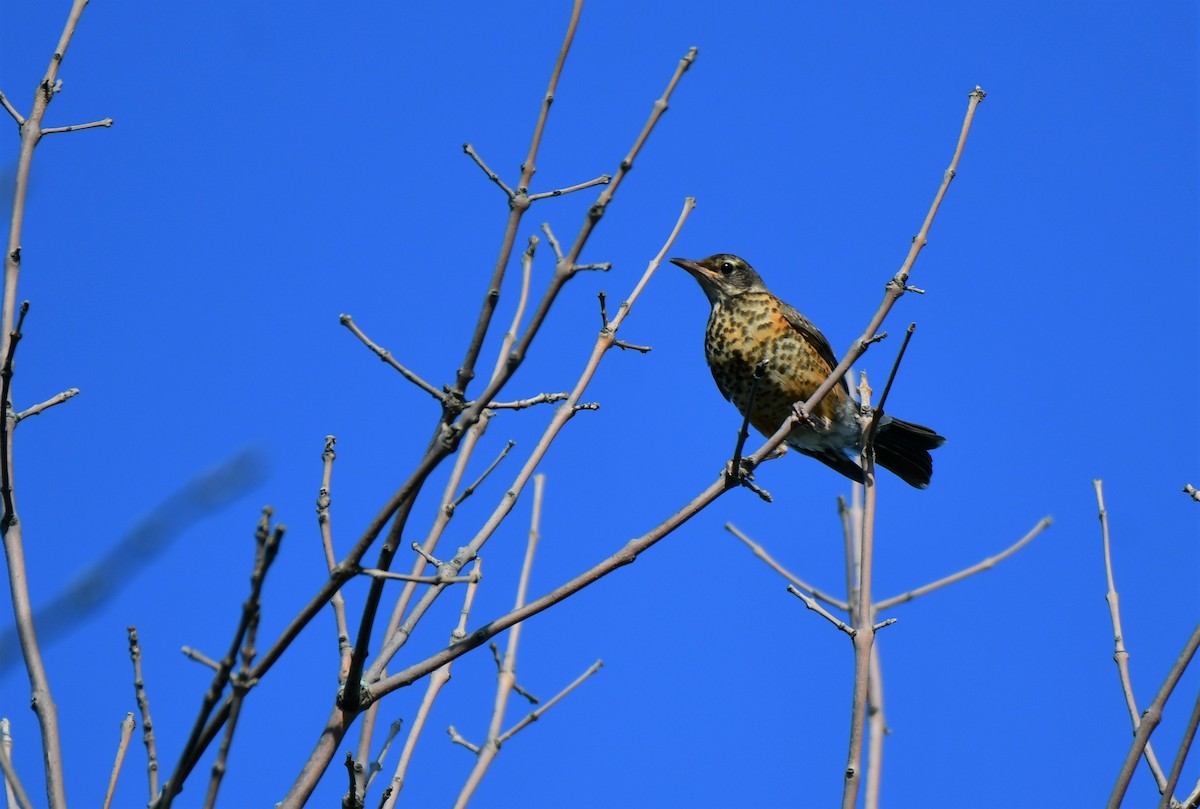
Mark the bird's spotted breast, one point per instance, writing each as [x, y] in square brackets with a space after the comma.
[745, 330]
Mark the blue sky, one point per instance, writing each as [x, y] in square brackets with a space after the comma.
[273, 166]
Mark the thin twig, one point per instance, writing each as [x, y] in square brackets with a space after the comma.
[521, 404]
[533, 716]
[986, 564]
[812, 604]
[199, 657]
[1120, 654]
[14, 791]
[387, 357]
[41, 698]
[377, 763]
[18, 117]
[491, 175]
[1191, 491]
[338, 602]
[1185, 745]
[467, 492]
[603, 179]
[437, 679]
[800, 584]
[1151, 718]
[143, 703]
[46, 405]
[267, 541]
[54, 130]
[506, 676]
[387, 574]
[127, 726]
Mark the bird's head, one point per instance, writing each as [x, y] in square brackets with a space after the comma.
[722, 276]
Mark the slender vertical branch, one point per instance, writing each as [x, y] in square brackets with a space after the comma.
[143, 703]
[127, 726]
[1120, 654]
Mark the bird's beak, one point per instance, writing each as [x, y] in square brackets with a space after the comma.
[693, 267]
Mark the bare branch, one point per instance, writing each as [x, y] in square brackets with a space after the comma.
[603, 179]
[387, 357]
[127, 726]
[800, 584]
[200, 657]
[491, 175]
[1151, 718]
[12, 783]
[812, 604]
[456, 738]
[1120, 654]
[1191, 491]
[143, 703]
[105, 122]
[535, 715]
[377, 764]
[986, 564]
[337, 602]
[1185, 745]
[467, 492]
[521, 404]
[46, 405]
[18, 117]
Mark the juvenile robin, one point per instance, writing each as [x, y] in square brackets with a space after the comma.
[749, 326]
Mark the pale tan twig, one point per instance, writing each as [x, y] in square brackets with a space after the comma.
[986, 564]
[812, 604]
[1151, 718]
[800, 584]
[521, 404]
[46, 405]
[18, 117]
[457, 738]
[1120, 654]
[533, 716]
[6, 745]
[563, 414]
[377, 763]
[603, 179]
[553, 242]
[143, 703]
[863, 637]
[518, 203]
[41, 698]
[338, 602]
[1191, 491]
[387, 357]
[491, 175]
[127, 726]
[436, 680]
[54, 130]
[876, 730]
[14, 790]
[387, 574]
[199, 657]
[467, 492]
[506, 676]
[851, 546]
[1185, 745]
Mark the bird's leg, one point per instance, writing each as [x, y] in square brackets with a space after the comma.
[737, 472]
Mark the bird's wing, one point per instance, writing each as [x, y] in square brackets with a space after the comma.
[810, 333]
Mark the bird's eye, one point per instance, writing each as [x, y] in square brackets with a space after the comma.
[726, 267]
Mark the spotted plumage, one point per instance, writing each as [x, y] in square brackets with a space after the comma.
[749, 326]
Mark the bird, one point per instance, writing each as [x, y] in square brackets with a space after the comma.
[748, 328]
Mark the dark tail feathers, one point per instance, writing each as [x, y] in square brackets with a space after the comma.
[902, 448]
